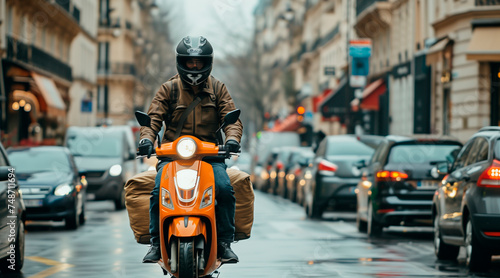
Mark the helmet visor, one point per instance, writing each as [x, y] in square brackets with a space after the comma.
[194, 64]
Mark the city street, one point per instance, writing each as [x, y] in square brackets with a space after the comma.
[283, 244]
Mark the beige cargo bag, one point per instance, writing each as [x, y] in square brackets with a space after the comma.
[138, 191]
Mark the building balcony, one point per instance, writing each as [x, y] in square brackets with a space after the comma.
[70, 9]
[487, 2]
[31, 56]
[372, 16]
[117, 70]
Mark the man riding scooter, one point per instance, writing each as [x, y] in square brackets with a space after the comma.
[194, 56]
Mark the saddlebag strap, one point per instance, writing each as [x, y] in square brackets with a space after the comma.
[186, 113]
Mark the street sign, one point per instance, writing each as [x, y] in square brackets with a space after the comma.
[86, 106]
[357, 81]
[357, 51]
[329, 70]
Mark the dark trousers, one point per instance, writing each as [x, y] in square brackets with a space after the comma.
[224, 209]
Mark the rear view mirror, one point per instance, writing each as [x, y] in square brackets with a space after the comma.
[232, 117]
[143, 118]
[443, 168]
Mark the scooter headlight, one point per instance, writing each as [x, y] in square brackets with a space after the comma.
[166, 199]
[186, 148]
[207, 198]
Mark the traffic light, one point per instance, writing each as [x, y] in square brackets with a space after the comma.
[301, 110]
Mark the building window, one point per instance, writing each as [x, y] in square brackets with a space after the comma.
[100, 99]
[103, 53]
[10, 17]
[33, 33]
[61, 49]
[52, 43]
[44, 31]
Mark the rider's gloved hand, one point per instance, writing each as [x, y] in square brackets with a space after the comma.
[233, 146]
[145, 147]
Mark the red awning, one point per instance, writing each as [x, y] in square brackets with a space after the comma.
[319, 99]
[371, 94]
[290, 123]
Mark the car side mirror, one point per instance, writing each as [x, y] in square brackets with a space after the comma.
[443, 168]
[4, 173]
[360, 164]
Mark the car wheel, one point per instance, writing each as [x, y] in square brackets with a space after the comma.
[442, 250]
[360, 224]
[120, 201]
[5, 265]
[373, 227]
[72, 220]
[82, 216]
[476, 258]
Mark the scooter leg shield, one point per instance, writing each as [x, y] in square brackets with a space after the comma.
[187, 227]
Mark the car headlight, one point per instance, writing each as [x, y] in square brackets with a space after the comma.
[207, 198]
[186, 148]
[63, 189]
[115, 170]
[166, 199]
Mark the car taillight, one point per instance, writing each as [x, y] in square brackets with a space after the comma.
[297, 172]
[491, 176]
[391, 176]
[279, 165]
[326, 167]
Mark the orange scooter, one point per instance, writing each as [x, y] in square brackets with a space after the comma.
[188, 235]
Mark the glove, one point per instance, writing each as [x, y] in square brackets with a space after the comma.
[145, 147]
[233, 146]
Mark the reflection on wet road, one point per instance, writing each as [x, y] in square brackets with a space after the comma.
[283, 244]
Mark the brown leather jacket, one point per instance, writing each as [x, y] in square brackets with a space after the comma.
[202, 122]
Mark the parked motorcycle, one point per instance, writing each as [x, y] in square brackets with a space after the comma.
[188, 235]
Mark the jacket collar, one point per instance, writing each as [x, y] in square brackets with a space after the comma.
[207, 86]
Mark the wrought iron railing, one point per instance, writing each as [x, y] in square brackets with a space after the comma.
[487, 2]
[362, 5]
[29, 54]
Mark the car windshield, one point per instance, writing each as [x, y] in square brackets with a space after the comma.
[107, 145]
[244, 158]
[348, 147]
[421, 153]
[33, 161]
[269, 140]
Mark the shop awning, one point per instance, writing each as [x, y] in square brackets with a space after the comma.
[50, 93]
[290, 123]
[335, 103]
[317, 100]
[484, 44]
[435, 51]
[371, 95]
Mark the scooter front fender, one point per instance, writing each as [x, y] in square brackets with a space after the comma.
[187, 227]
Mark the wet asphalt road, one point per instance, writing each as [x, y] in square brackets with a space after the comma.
[283, 244]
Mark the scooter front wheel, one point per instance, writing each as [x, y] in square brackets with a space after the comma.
[188, 267]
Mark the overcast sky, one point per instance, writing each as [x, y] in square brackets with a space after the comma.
[217, 20]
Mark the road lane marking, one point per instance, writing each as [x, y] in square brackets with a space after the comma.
[56, 267]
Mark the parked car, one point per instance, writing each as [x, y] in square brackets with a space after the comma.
[11, 204]
[397, 183]
[50, 184]
[280, 167]
[262, 144]
[106, 156]
[466, 208]
[263, 180]
[299, 160]
[334, 173]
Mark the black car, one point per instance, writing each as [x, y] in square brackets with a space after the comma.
[106, 156]
[12, 218]
[279, 169]
[50, 184]
[335, 174]
[466, 207]
[398, 183]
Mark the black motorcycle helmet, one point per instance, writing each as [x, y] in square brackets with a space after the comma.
[194, 47]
